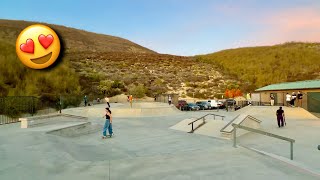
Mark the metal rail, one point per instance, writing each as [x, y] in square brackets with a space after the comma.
[203, 118]
[263, 133]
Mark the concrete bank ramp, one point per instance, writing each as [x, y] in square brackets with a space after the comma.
[211, 127]
[183, 125]
[241, 119]
[262, 112]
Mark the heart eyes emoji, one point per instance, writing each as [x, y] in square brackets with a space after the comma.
[45, 42]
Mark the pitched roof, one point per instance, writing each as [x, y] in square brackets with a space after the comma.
[310, 84]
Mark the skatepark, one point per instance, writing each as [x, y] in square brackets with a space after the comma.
[151, 141]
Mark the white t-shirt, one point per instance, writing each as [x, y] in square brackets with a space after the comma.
[288, 97]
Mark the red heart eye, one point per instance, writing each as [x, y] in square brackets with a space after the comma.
[45, 41]
[27, 47]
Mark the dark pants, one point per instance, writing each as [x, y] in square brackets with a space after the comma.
[108, 104]
[280, 121]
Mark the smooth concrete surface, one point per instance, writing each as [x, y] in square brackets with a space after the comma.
[142, 148]
[301, 126]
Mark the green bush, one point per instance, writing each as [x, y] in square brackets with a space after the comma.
[138, 91]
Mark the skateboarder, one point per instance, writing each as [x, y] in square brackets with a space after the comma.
[280, 116]
[169, 100]
[85, 99]
[107, 124]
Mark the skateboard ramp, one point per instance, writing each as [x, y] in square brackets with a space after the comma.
[137, 110]
[241, 119]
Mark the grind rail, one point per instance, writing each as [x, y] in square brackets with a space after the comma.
[202, 118]
[263, 133]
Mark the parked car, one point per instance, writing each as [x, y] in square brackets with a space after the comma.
[203, 105]
[191, 107]
[214, 103]
[220, 103]
[181, 103]
[232, 103]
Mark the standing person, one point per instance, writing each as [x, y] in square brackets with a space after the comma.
[249, 98]
[271, 99]
[85, 99]
[107, 124]
[288, 99]
[299, 99]
[107, 100]
[130, 99]
[280, 116]
[293, 99]
[169, 100]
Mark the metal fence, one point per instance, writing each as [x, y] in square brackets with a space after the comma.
[13, 107]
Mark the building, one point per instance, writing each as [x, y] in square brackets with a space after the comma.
[310, 90]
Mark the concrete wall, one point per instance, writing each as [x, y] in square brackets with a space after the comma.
[281, 96]
[164, 98]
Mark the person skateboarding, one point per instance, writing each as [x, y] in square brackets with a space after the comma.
[107, 124]
[280, 116]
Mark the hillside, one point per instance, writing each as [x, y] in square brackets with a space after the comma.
[260, 66]
[74, 40]
[157, 73]
[96, 63]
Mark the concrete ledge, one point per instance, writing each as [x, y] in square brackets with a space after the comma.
[47, 119]
[77, 130]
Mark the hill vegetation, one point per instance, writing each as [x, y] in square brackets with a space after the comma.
[101, 64]
[260, 66]
[96, 64]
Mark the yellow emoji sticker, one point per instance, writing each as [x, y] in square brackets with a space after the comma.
[38, 46]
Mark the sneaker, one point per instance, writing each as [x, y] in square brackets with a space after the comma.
[111, 135]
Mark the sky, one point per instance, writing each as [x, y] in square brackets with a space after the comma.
[180, 27]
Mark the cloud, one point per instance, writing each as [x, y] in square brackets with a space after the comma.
[301, 24]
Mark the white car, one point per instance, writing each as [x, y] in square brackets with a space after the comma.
[214, 103]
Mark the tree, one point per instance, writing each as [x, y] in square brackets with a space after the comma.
[231, 93]
[138, 91]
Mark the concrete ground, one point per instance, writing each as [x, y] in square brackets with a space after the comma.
[142, 148]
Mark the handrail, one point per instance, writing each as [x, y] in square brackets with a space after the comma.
[247, 116]
[203, 118]
[223, 129]
[263, 133]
